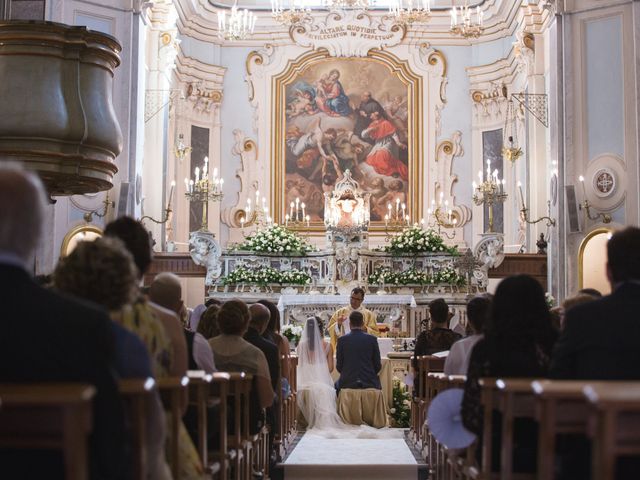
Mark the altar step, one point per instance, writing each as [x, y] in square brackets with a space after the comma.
[388, 458]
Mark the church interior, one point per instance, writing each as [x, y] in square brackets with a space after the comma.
[312, 154]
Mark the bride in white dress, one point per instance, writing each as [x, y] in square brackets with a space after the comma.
[316, 390]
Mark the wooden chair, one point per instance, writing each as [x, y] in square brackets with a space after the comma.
[219, 390]
[137, 394]
[173, 393]
[560, 409]
[515, 400]
[614, 424]
[49, 416]
[240, 439]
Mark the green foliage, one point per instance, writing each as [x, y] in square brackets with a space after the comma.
[401, 404]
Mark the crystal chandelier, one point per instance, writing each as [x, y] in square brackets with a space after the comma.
[409, 12]
[294, 15]
[238, 25]
[461, 23]
[341, 5]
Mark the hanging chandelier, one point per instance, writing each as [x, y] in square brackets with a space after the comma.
[341, 5]
[510, 149]
[408, 12]
[462, 24]
[238, 25]
[296, 14]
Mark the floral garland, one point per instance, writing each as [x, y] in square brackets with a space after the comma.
[447, 275]
[265, 275]
[275, 239]
[292, 332]
[401, 405]
[417, 240]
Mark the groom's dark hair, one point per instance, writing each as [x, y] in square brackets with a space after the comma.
[356, 319]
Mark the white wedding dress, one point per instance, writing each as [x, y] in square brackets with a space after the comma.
[317, 394]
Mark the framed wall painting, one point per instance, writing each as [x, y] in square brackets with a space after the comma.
[332, 114]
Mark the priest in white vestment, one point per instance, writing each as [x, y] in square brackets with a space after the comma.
[339, 322]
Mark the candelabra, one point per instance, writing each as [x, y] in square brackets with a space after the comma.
[586, 206]
[464, 26]
[258, 215]
[100, 212]
[524, 212]
[238, 25]
[167, 210]
[412, 13]
[340, 5]
[294, 15]
[202, 190]
[489, 192]
[396, 219]
[441, 216]
[297, 215]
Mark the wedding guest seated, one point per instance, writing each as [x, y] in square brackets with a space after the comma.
[48, 337]
[591, 291]
[104, 273]
[208, 324]
[358, 356]
[272, 333]
[166, 291]
[600, 342]
[518, 341]
[195, 315]
[257, 324]
[159, 329]
[440, 337]
[232, 353]
[571, 302]
[457, 361]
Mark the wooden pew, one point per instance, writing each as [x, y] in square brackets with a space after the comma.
[49, 416]
[240, 440]
[419, 404]
[515, 400]
[615, 418]
[560, 409]
[138, 394]
[219, 389]
[173, 392]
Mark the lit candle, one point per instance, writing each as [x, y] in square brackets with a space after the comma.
[197, 174]
[453, 17]
[257, 198]
[242, 223]
[441, 197]
[303, 207]
[190, 186]
[221, 184]
[584, 191]
[397, 207]
[474, 185]
[173, 184]
[403, 209]
[422, 221]
[407, 220]
[521, 195]
[308, 220]
[386, 220]
[503, 185]
[291, 210]
[186, 184]
[286, 220]
[488, 170]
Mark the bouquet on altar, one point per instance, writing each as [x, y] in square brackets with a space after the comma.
[412, 276]
[415, 239]
[292, 332]
[401, 405]
[265, 276]
[275, 239]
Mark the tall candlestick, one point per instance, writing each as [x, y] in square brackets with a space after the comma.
[291, 210]
[308, 220]
[173, 184]
[584, 191]
[303, 207]
[521, 195]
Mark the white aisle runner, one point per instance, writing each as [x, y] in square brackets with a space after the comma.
[320, 458]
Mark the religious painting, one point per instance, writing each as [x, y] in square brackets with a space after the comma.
[342, 114]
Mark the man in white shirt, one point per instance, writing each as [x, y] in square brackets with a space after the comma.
[478, 311]
[339, 322]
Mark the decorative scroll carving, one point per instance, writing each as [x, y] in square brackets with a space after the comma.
[524, 49]
[205, 251]
[203, 99]
[348, 34]
[445, 153]
[490, 253]
[489, 104]
[247, 149]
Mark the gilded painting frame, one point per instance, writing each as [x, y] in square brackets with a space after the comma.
[399, 72]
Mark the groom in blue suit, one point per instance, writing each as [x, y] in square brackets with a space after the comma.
[358, 357]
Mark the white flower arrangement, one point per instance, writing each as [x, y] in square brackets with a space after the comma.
[264, 276]
[401, 405]
[275, 239]
[448, 276]
[292, 332]
[418, 240]
[550, 299]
